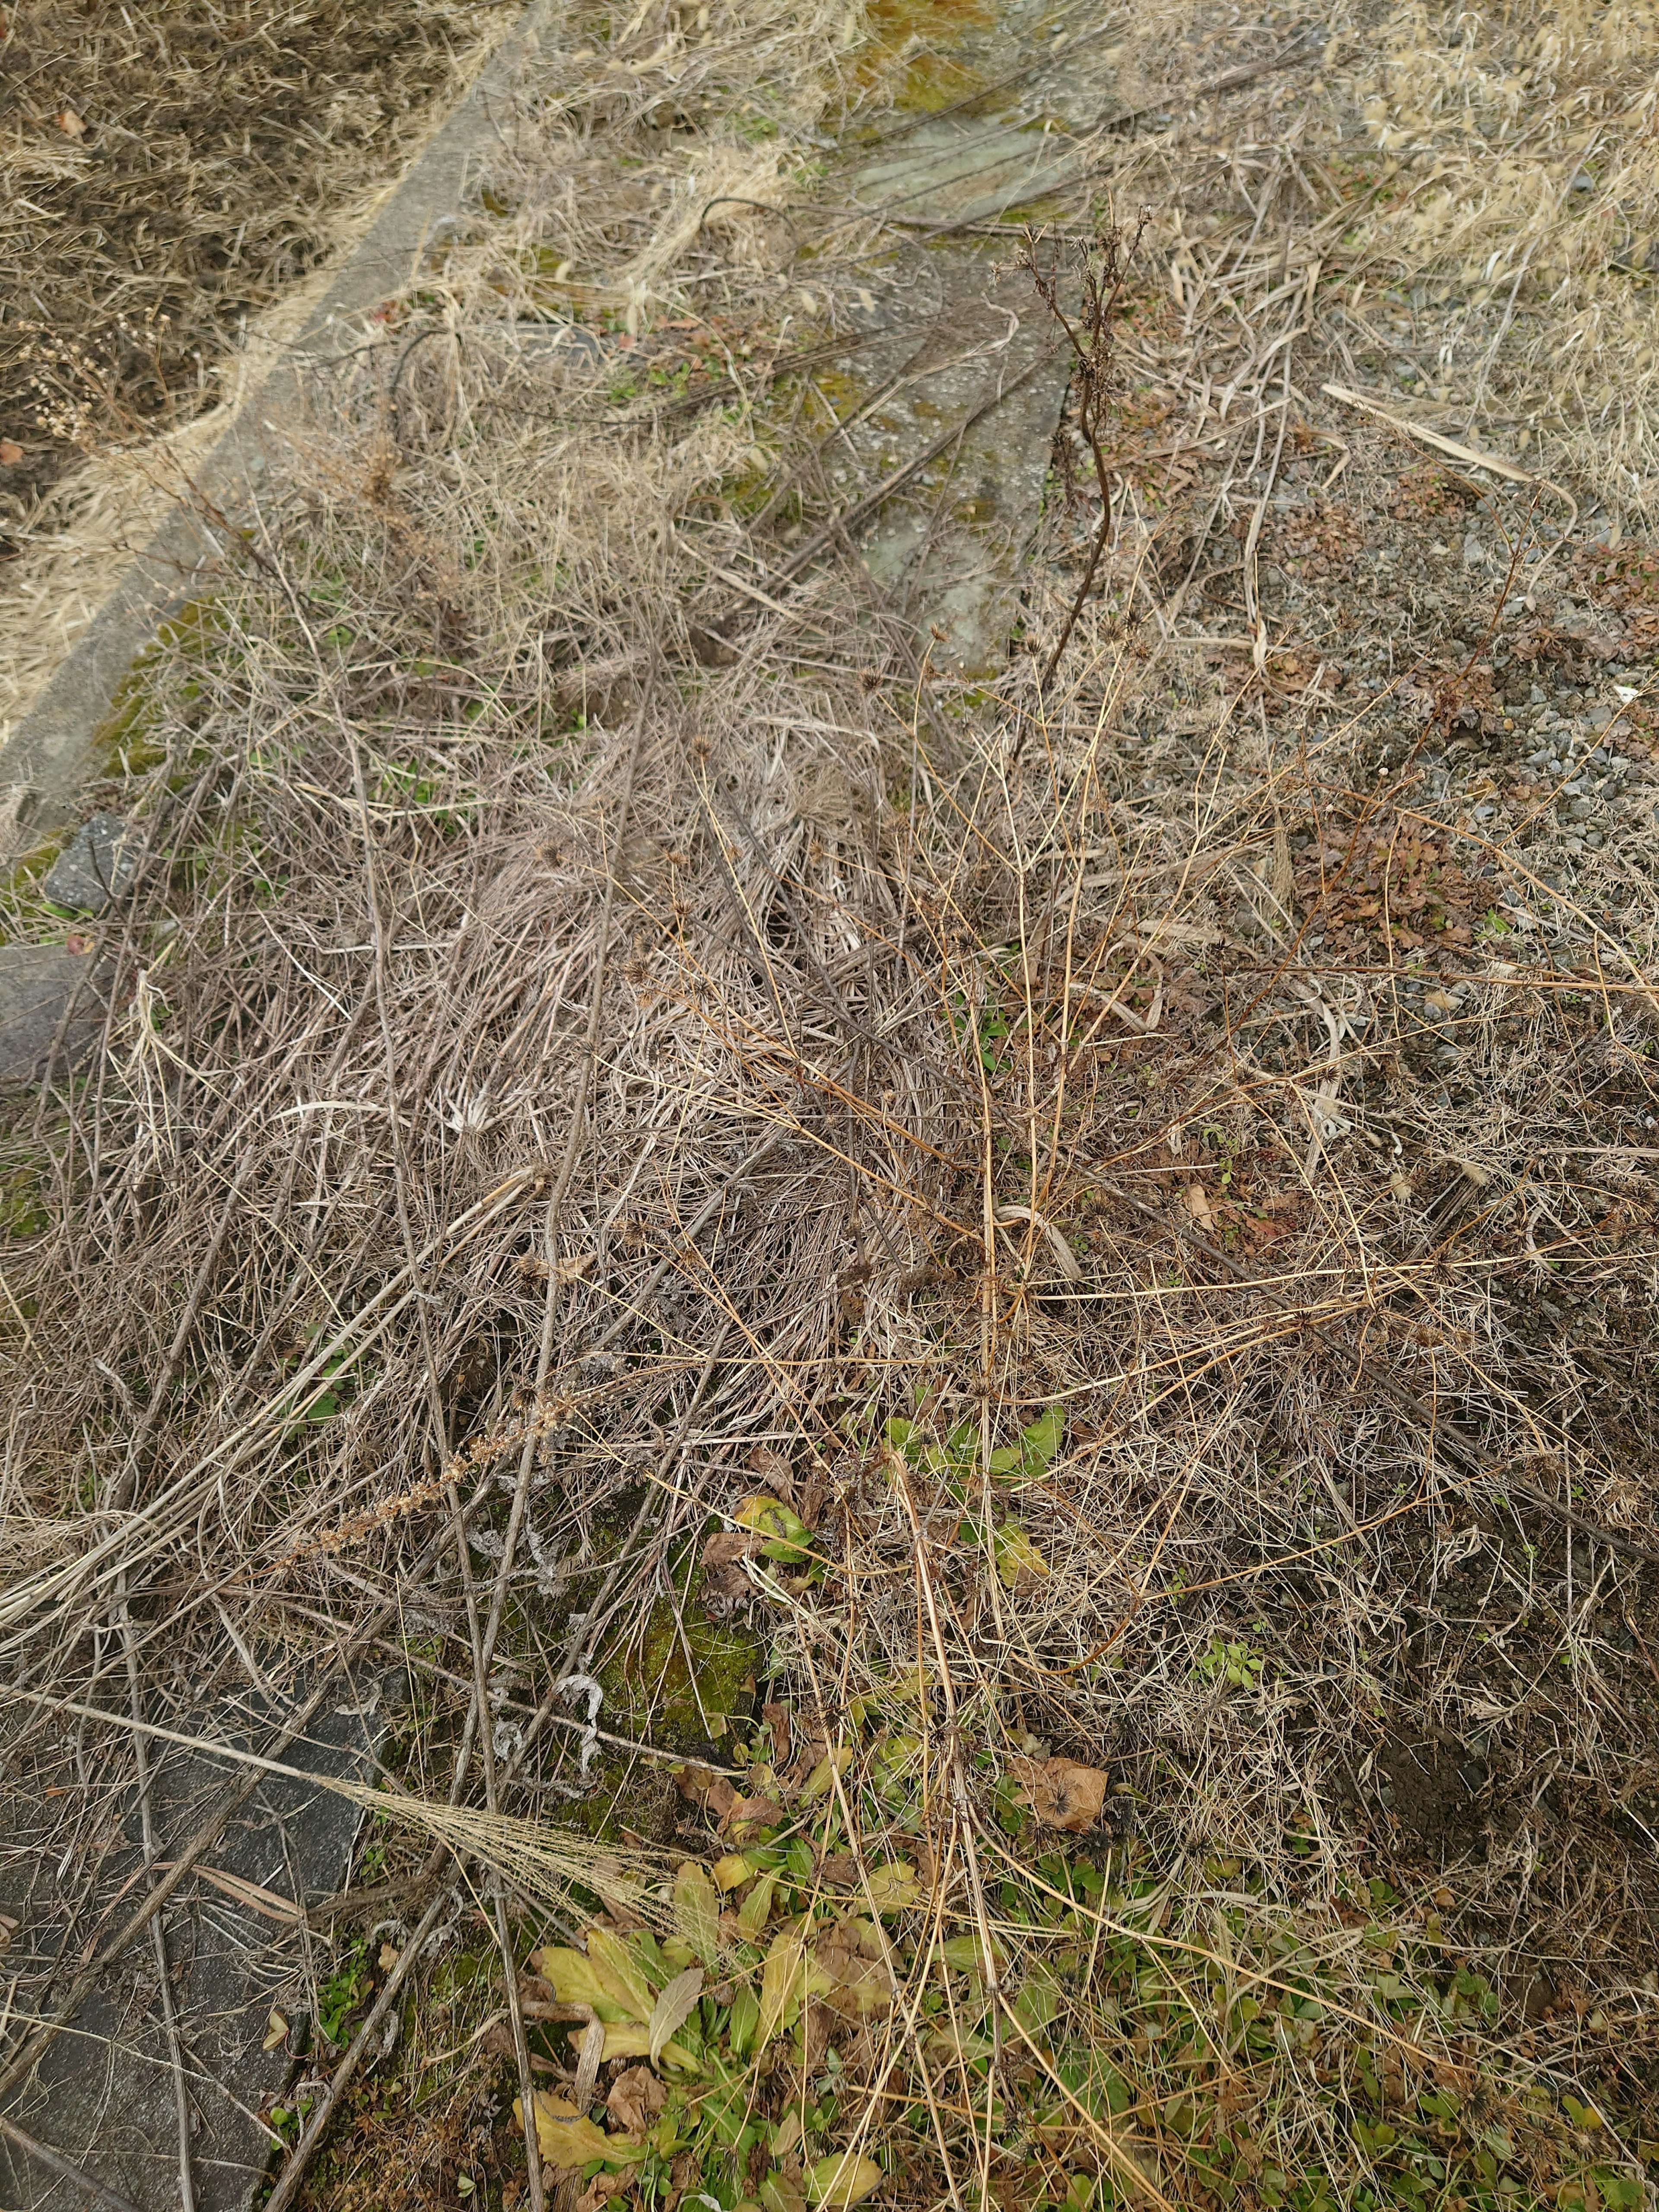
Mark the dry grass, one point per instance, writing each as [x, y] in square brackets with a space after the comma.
[560, 1084]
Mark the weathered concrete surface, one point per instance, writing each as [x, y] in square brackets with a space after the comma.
[38, 983]
[103, 2097]
[956, 539]
[95, 866]
[50, 754]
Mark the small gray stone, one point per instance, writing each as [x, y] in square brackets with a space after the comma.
[95, 866]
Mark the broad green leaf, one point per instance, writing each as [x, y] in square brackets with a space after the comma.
[743, 2020]
[1038, 2002]
[1037, 1448]
[843, 2179]
[1040, 1442]
[697, 1912]
[967, 1954]
[674, 2007]
[619, 1974]
[791, 1539]
[779, 2194]
[1015, 1553]
[751, 1913]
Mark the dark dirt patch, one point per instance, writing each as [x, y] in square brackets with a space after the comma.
[165, 176]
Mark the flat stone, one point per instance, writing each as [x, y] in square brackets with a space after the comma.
[39, 983]
[95, 866]
[103, 2095]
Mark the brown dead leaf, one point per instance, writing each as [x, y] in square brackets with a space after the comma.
[636, 2098]
[778, 1716]
[840, 1870]
[750, 1812]
[724, 1586]
[1060, 1792]
[10, 454]
[704, 1787]
[72, 124]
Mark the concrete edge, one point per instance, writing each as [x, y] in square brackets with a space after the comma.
[53, 750]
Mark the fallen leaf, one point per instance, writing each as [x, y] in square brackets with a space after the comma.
[843, 2179]
[389, 1957]
[777, 1719]
[275, 2031]
[567, 2138]
[704, 1787]
[1060, 1792]
[751, 1813]
[572, 1271]
[732, 1871]
[724, 1586]
[636, 2098]
[674, 2007]
[72, 124]
[10, 454]
[859, 1985]
[1198, 1205]
[840, 1870]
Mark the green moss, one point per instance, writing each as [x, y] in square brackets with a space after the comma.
[124, 744]
[673, 1698]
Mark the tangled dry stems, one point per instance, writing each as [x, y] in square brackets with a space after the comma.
[951, 1061]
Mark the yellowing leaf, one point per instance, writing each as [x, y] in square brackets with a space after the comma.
[843, 2179]
[790, 1537]
[567, 2138]
[697, 1912]
[788, 1978]
[817, 1782]
[1015, 1554]
[626, 2038]
[619, 1974]
[674, 2007]
[275, 2031]
[575, 1982]
[894, 1886]
[731, 1870]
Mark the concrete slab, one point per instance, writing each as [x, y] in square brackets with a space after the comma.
[38, 985]
[103, 2096]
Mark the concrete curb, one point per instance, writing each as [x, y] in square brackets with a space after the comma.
[53, 752]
